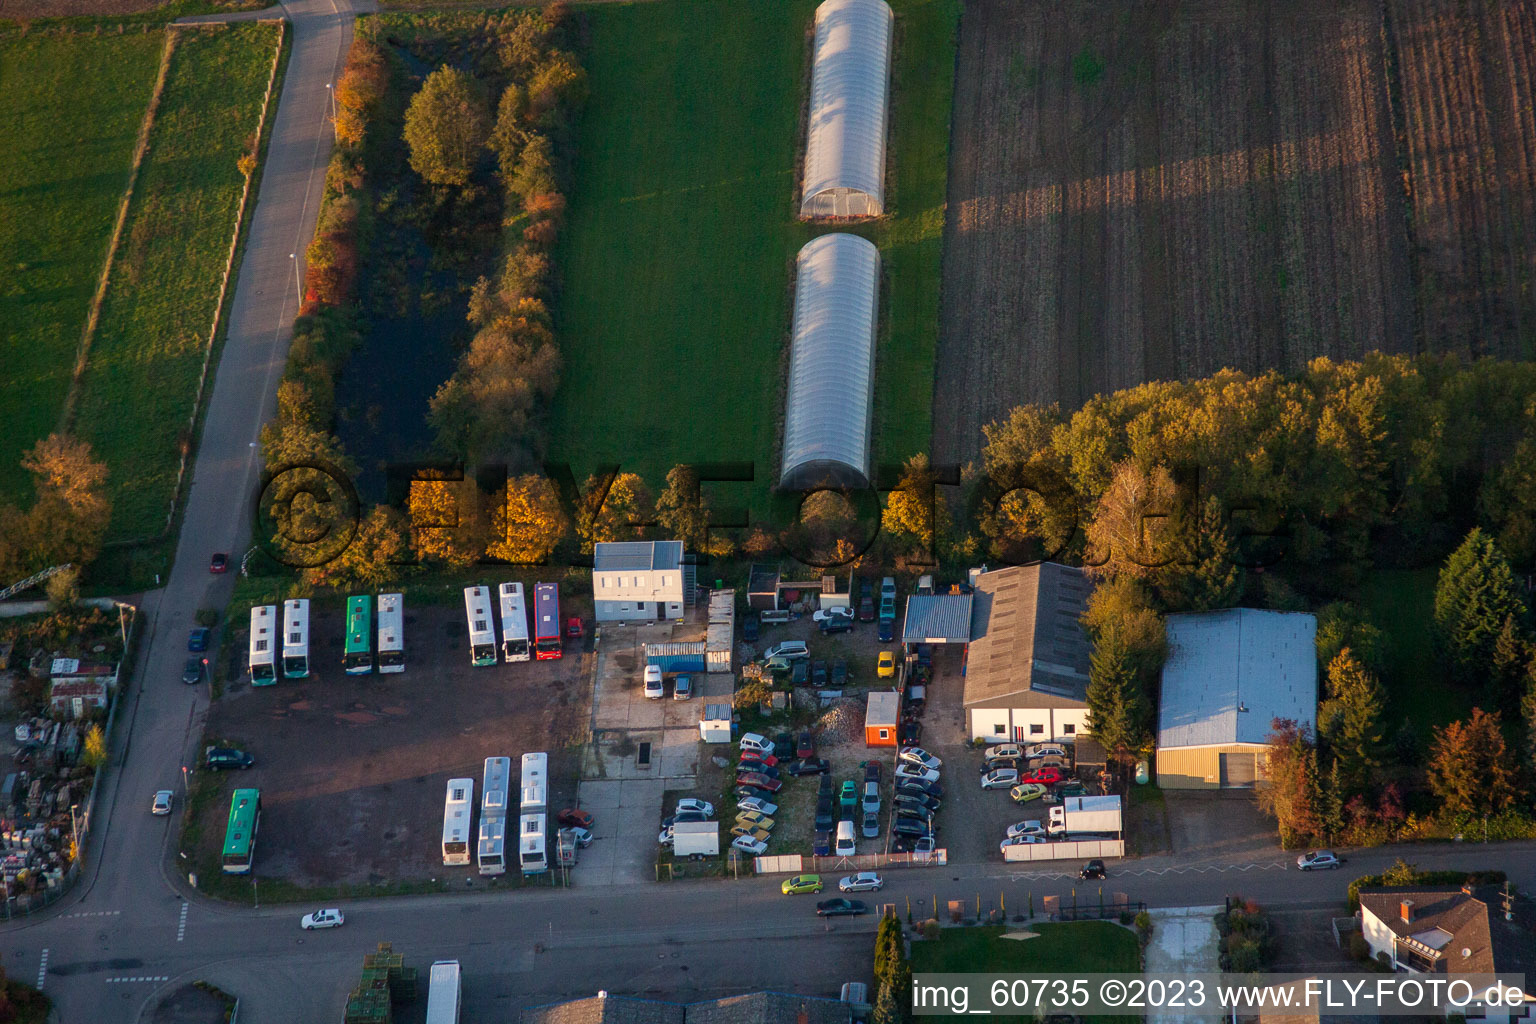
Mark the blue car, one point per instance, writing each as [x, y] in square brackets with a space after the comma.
[198, 641]
[887, 630]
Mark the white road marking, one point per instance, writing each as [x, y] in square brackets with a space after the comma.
[42, 970]
[1197, 869]
[94, 913]
[138, 977]
[181, 925]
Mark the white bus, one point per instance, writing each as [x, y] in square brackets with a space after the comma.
[391, 633]
[533, 794]
[531, 855]
[482, 630]
[491, 853]
[457, 810]
[263, 658]
[514, 623]
[445, 992]
[295, 639]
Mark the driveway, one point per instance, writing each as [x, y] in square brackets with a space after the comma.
[1218, 825]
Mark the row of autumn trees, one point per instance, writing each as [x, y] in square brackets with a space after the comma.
[67, 518]
[1352, 782]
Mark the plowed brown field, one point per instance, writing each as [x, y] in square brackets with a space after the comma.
[1153, 189]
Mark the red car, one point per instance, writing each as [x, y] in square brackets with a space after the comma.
[1045, 776]
[805, 746]
[219, 562]
[759, 780]
[574, 629]
[754, 757]
[574, 818]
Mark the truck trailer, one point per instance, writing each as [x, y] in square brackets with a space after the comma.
[1085, 816]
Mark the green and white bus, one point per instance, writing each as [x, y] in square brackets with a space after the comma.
[240, 836]
[357, 659]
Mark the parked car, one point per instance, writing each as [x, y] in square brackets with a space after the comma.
[913, 844]
[908, 770]
[653, 687]
[1045, 776]
[744, 792]
[1002, 778]
[682, 688]
[911, 731]
[746, 844]
[821, 843]
[885, 665]
[758, 757]
[839, 907]
[1042, 749]
[328, 918]
[887, 609]
[582, 837]
[777, 666]
[754, 818]
[1004, 750]
[887, 631]
[162, 803]
[789, 649]
[1019, 841]
[758, 780]
[761, 767]
[799, 673]
[1025, 792]
[1319, 860]
[866, 609]
[844, 845]
[228, 757]
[871, 802]
[668, 822]
[904, 826]
[1026, 828]
[582, 819]
[819, 673]
[864, 881]
[842, 611]
[757, 742]
[664, 837]
[836, 626]
[807, 766]
[752, 803]
[932, 789]
[693, 803]
[888, 588]
[800, 884]
[871, 771]
[805, 745]
[1093, 869]
[992, 764]
[192, 672]
[750, 627]
[915, 804]
[218, 563]
[848, 793]
[197, 640]
[751, 832]
[871, 826]
[917, 755]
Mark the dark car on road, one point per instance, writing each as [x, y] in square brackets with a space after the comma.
[1093, 869]
[192, 674]
[218, 563]
[228, 757]
[887, 630]
[197, 640]
[840, 907]
[807, 766]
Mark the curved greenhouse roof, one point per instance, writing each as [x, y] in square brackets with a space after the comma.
[831, 364]
[845, 137]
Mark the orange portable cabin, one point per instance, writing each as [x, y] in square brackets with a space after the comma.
[880, 718]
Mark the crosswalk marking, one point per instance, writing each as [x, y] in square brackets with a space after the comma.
[42, 970]
[138, 977]
[181, 926]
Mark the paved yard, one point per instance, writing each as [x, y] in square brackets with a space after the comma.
[1218, 826]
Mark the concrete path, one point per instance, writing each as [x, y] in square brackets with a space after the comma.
[1184, 941]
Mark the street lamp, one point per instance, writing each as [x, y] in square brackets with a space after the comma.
[298, 286]
[74, 833]
[332, 94]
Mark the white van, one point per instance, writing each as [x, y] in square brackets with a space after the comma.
[845, 845]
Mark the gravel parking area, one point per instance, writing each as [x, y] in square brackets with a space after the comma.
[352, 769]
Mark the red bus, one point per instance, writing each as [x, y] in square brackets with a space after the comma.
[546, 621]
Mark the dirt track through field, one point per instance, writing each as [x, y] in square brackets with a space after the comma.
[1152, 189]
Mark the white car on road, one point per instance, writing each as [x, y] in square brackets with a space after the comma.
[329, 918]
[163, 801]
[864, 881]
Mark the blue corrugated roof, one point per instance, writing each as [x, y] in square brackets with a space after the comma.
[937, 618]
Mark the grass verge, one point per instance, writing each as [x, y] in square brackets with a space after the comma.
[74, 107]
[1401, 602]
[682, 237]
[137, 395]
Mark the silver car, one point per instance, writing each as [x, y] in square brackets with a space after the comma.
[864, 881]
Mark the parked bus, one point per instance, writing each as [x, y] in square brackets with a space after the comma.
[263, 656]
[546, 610]
[240, 835]
[357, 658]
[491, 853]
[295, 639]
[457, 810]
[532, 796]
[391, 633]
[482, 630]
[531, 854]
[514, 623]
[446, 989]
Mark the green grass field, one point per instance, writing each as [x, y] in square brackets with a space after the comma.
[676, 263]
[148, 352]
[1401, 602]
[1065, 948]
[74, 104]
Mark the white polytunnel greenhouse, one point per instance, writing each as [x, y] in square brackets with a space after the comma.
[830, 397]
[845, 135]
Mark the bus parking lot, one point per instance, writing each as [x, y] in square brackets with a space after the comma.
[352, 768]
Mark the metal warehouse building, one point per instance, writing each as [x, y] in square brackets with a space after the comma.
[1229, 675]
[831, 364]
[850, 90]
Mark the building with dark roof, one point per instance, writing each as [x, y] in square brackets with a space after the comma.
[755, 1008]
[1450, 931]
[638, 581]
[1026, 676]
